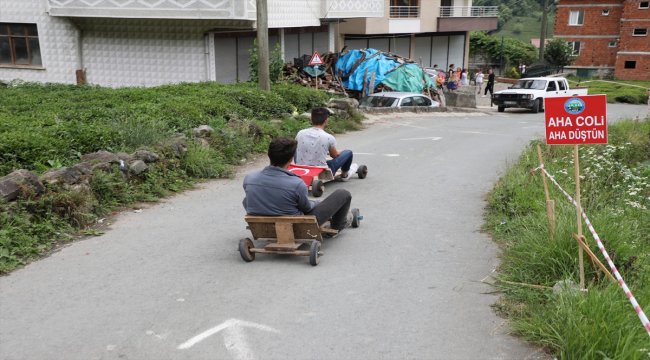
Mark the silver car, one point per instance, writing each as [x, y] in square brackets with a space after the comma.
[395, 99]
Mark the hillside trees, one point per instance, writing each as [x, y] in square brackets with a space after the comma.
[558, 53]
[510, 8]
[514, 51]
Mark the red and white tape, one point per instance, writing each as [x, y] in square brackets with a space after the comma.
[621, 282]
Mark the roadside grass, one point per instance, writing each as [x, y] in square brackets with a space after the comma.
[50, 126]
[617, 91]
[615, 190]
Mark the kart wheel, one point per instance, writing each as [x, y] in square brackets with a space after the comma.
[314, 253]
[501, 108]
[356, 218]
[317, 188]
[245, 246]
[362, 171]
[536, 106]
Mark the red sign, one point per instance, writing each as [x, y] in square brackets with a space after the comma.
[316, 59]
[576, 120]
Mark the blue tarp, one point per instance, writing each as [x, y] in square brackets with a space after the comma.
[352, 66]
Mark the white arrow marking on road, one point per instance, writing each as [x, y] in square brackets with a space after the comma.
[233, 337]
[434, 138]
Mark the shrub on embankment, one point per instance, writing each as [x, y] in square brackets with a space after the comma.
[600, 323]
[45, 127]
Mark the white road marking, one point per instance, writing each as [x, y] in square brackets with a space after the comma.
[433, 138]
[373, 154]
[234, 337]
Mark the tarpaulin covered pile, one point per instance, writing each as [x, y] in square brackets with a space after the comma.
[356, 68]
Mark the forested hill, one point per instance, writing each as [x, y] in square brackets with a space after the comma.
[520, 19]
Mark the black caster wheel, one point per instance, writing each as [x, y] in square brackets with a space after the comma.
[245, 246]
[317, 188]
[362, 172]
[314, 253]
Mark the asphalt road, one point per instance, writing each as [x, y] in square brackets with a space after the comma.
[168, 283]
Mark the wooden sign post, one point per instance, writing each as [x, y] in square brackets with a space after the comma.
[576, 120]
[550, 204]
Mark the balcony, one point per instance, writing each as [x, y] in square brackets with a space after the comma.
[340, 9]
[404, 12]
[468, 18]
[155, 9]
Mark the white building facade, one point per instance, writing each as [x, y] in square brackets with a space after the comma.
[152, 42]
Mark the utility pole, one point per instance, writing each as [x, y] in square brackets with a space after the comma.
[542, 36]
[263, 46]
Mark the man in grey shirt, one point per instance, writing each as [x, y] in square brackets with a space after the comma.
[314, 145]
[276, 191]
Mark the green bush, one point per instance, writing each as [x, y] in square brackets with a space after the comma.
[51, 126]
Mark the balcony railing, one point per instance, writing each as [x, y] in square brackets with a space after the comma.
[469, 11]
[160, 9]
[332, 9]
[404, 12]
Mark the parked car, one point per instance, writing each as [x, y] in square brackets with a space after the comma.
[529, 93]
[397, 100]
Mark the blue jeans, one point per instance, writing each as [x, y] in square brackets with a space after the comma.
[343, 162]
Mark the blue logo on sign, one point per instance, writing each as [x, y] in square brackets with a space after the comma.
[574, 106]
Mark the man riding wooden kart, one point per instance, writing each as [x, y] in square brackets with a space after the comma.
[314, 146]
[279, 211]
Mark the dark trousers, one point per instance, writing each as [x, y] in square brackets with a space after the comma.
[490, 88]
[335, 207]
[343, 162]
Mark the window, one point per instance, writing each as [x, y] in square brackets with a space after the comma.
[551, 86]
[562, 85]
[575, 47]
[612, 44]
[407, 102]
[644, 4]
[422, 101]
[640, 32]
[577, 17]
[629, 64]
[19, 45]
[605, 12]
[404, 8]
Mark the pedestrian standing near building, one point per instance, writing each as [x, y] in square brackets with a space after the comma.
[490, 83]
[463, 78]
[478, 79]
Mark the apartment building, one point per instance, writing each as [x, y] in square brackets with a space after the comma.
[607, 37]
[434, 32]
[152, 42]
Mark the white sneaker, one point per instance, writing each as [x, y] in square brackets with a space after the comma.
[353, 170]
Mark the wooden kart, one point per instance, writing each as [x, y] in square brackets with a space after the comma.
[315, 177]
[287, 234]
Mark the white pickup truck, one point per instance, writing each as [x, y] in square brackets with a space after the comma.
[529, 93]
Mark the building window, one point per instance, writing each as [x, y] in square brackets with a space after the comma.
[644, 4]
[577, 17]
[575, 47]
[630, 64]
[605, 12]
[612, 44]
[404, 8]
[19, 45]
[640, 32]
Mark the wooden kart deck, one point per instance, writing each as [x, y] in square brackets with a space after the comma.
[286, 235]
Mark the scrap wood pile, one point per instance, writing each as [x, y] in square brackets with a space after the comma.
[362, 72]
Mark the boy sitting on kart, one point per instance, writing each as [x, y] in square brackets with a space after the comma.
[275, 191]
[314, 145]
